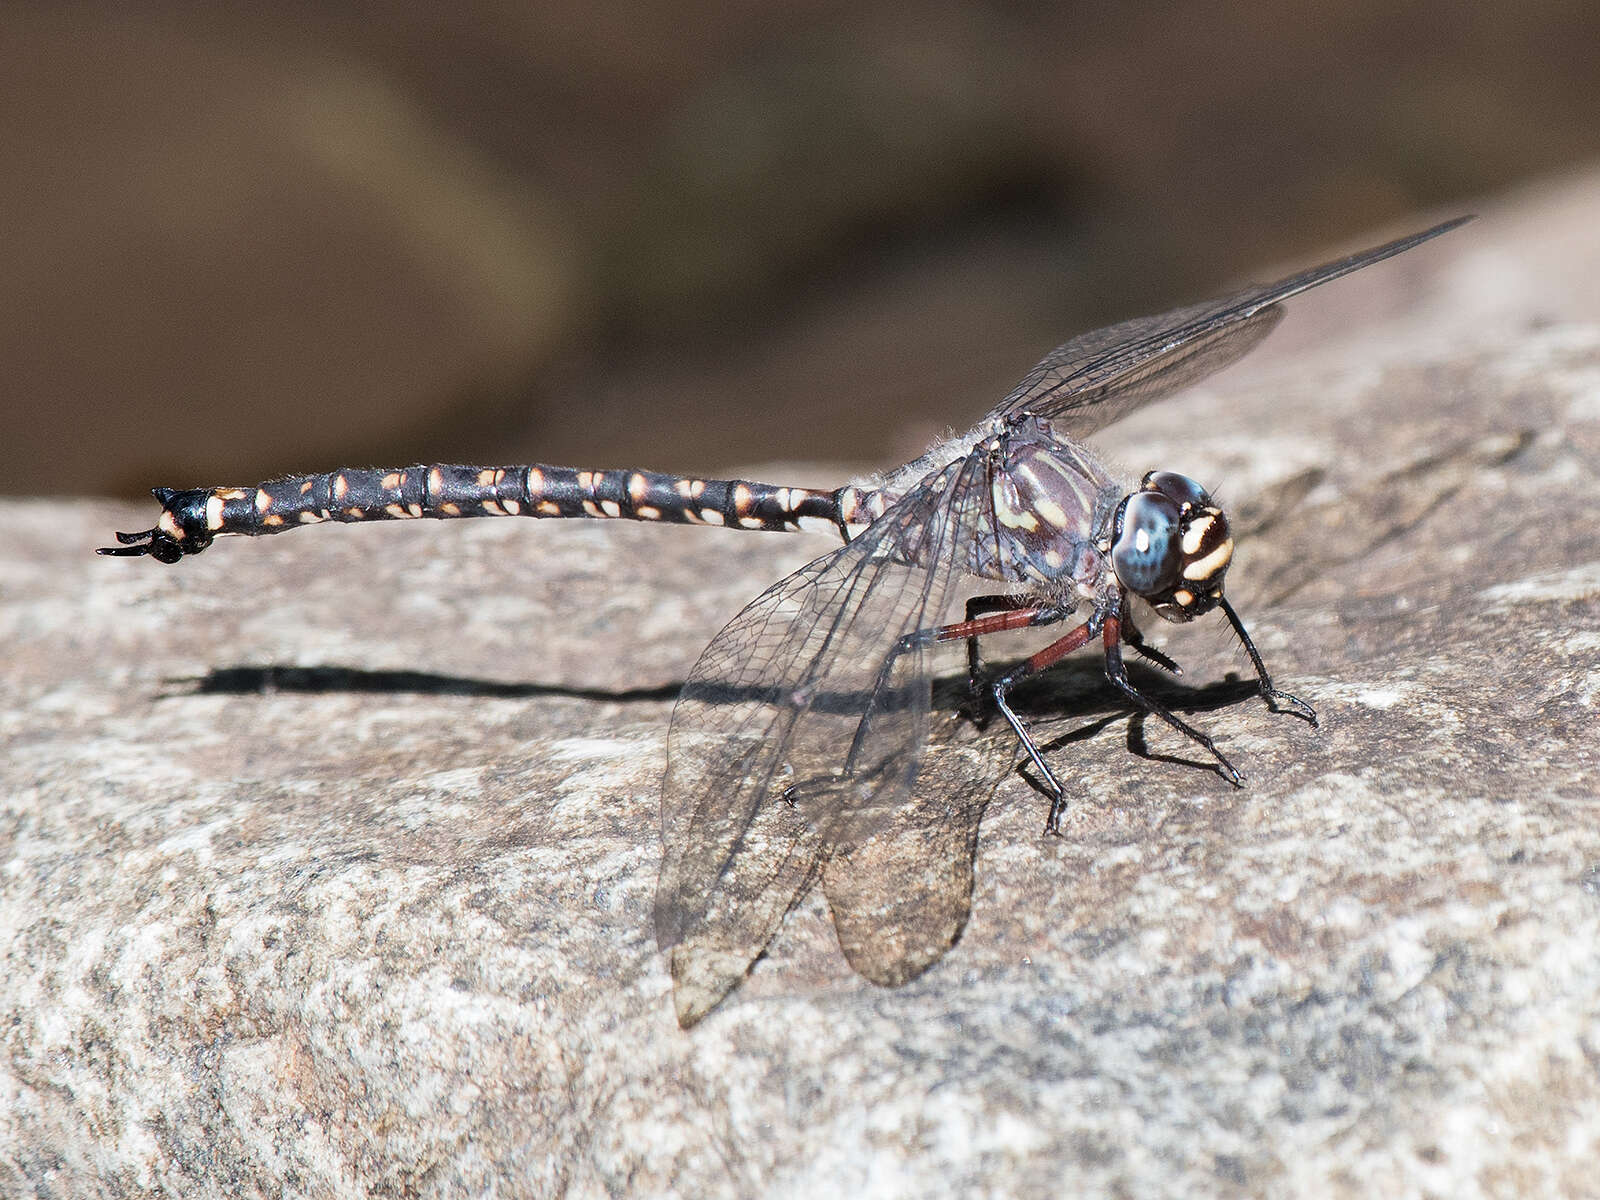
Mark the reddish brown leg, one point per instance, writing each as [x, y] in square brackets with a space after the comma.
[1011, 617]
[985, 615]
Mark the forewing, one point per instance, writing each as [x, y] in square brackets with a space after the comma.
[1100, 377]
[799, 733]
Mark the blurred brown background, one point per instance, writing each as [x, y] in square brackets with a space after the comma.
[238, 240]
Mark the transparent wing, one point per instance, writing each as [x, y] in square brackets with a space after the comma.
[1100, 377]
[800, 735]
[900, 899]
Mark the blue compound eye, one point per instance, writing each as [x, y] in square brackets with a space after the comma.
[1146, 554]
[1178, 488]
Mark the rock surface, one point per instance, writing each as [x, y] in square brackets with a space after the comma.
[328, 860]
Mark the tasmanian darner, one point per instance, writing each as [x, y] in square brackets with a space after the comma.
[800, 746]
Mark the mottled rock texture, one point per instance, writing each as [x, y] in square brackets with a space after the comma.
[328, 859]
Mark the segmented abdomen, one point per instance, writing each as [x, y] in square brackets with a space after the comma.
[191, 519]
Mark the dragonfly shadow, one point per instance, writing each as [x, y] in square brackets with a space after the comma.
[1069, 691]
[335, 680]
[251, 680]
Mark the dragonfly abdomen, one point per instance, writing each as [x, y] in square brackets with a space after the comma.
[190, 520]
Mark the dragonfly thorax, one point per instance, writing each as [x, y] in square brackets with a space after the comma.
[1170, 545]
[1048, 498]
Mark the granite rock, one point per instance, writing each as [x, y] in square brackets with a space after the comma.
[328, 860]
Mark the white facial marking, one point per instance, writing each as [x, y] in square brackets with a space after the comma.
[1194, 536]
[1205, 568]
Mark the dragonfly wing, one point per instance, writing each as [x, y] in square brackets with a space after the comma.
[801, 732]
[901, 897]
[1100, 377]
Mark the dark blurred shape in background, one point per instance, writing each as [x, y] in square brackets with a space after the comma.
[238, 240]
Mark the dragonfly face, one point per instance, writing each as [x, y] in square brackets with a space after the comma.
[1170, 545]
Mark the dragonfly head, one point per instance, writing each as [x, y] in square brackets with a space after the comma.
[1170, 545]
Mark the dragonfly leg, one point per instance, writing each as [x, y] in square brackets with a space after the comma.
[1010, 614]
[1117, 673]
[1293, 705]
[979, 607]
[1132, 636]
[1001, 688]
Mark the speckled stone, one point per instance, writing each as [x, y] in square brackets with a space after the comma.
[326, 861]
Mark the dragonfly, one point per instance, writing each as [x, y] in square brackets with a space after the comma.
[800, 746]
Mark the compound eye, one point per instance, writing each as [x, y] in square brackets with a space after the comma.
[1146, 555]
[1179, 488]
